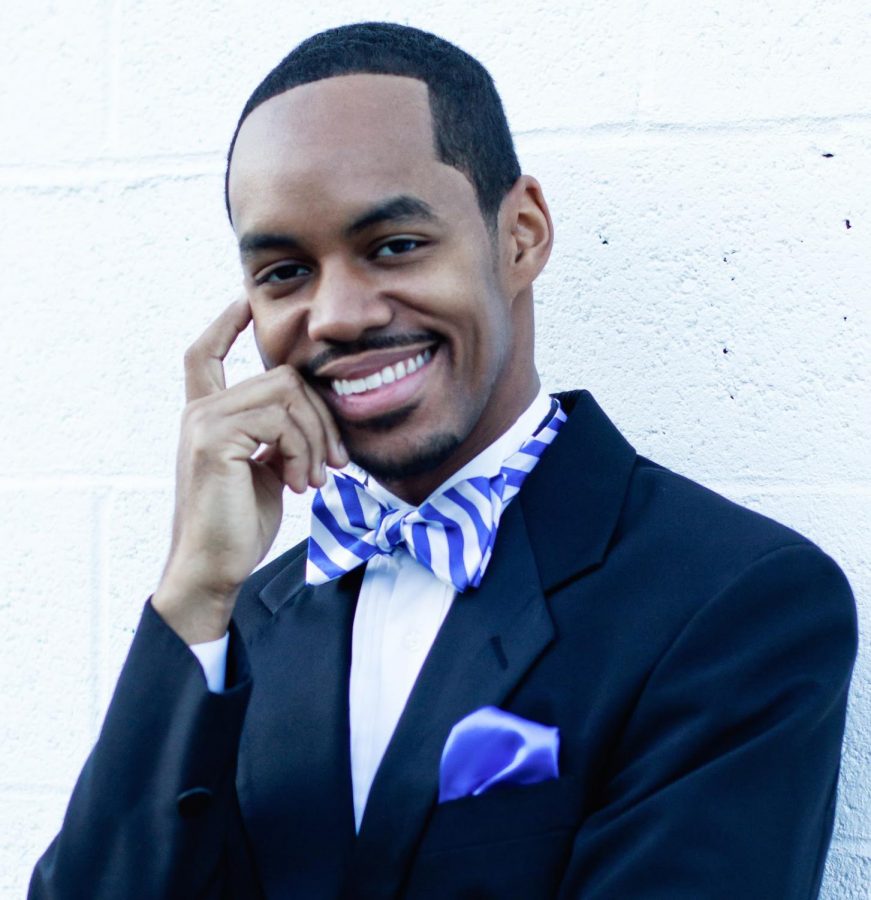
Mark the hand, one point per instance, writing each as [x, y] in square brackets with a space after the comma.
[228, 493]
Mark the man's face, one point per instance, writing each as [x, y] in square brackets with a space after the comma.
[370, 269]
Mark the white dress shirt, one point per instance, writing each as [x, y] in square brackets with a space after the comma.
[399, 612]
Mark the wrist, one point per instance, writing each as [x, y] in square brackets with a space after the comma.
[195, 613]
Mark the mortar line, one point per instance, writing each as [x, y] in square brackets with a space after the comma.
[37, 789]
[101, 608]
[114, 86]
[77, 482]
[859, 846]
[646, 56]
[785, 487]
[650, 125]
[193, 165]
[77, 181]
[101, 169]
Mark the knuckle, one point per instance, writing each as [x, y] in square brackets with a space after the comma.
[293, 473]
[290, 378]
[194, 414]
[192, 355]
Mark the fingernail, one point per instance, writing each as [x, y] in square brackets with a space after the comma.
[323, 473]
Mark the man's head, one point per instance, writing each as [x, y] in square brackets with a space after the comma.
[469, 126]
[399, 288]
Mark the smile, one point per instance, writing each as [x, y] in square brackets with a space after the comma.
[388, 375]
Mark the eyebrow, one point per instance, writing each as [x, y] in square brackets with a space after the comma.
[395, 209]
[252, 244]
[401, 208]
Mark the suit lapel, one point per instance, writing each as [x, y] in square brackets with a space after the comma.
[559, 528]
[573, 498]
[294, 776]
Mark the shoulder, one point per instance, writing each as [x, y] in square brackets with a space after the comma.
[669, 544]
[654, 509]
[684, 516]
[724, 569]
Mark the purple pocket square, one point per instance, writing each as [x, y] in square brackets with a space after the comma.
[490, 747]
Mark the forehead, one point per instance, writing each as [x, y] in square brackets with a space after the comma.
[354, 136]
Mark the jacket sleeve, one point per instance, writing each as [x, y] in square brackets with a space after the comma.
[154, 813]
[723, 781]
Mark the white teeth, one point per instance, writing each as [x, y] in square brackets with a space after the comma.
[389, 374]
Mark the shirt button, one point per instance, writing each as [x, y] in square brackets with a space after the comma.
[194, 802]
[412, 641]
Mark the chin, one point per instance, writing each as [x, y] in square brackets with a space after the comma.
[424, 457]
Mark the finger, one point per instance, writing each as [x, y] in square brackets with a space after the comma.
[285, 387]
[281, 406]
[281, 386]
[305, 412]
[269, 455]
[290, 471]
[308, 419]
[337, 455]
[204, 359]
[287, 450]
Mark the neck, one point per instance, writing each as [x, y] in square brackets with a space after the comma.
[417, 488]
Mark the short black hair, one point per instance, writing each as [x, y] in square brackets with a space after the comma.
[469, 125]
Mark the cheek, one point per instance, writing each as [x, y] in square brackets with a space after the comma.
[469, 301]
[493, 339]
[263, 348]
[278, 333]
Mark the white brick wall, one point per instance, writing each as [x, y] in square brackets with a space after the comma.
[704, 285]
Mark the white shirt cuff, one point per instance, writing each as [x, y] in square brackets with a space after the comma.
[212, 656]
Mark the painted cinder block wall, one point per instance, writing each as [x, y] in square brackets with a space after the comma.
[708, 169]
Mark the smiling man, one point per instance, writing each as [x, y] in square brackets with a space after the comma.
[372, 271]
[514, 659]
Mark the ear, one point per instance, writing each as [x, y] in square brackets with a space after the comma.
[527, 234]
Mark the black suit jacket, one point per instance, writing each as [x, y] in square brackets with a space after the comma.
[694, 655]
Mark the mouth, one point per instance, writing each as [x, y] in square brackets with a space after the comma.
[375, 384]
[389, 374]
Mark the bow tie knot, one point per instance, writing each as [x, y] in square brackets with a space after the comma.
[451, 533]
[389, 533]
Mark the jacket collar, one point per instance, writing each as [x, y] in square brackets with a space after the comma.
[572, 499]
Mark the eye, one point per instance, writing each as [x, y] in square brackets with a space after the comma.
[282, 273]
[397, 246]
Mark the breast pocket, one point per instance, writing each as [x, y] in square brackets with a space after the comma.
[509, 842]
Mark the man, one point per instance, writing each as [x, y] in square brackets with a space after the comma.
[515, 659]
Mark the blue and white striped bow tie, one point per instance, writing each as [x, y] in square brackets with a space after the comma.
[452, 533]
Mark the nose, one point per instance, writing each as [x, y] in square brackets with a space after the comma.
[346, 303]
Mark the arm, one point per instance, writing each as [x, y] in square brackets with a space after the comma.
[239, 448]
[154, 813]
[723, 782]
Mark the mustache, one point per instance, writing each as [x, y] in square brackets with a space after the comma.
[338, 350]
